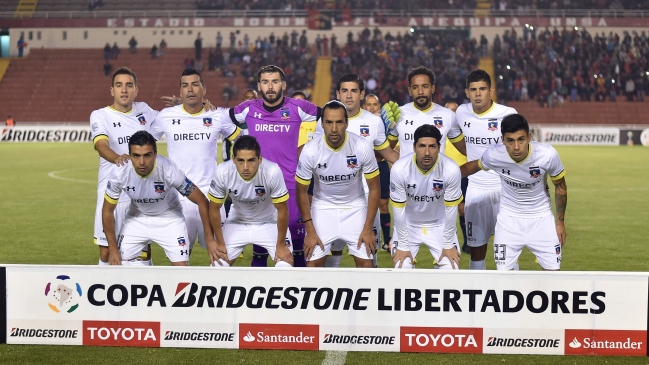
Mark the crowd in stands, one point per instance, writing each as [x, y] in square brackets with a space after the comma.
[571, 4]
[559, 65]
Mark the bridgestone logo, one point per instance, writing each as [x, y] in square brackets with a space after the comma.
[45, 135]
[198, 336]
[43, 333]
[522, 342]
[360, 340]
[581, 137]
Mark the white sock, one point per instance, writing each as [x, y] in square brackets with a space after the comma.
[101, 263]
[478, 265]
[333, 261]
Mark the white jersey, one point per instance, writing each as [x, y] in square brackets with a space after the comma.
[480, 131]
[425, 194]
[366, 125]
[192, 140]
[118, 127]
[524, 191]
[154, 195]
[338, 179]
[252, 200]
[412, 118]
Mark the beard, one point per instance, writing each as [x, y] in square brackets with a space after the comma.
[422, 101]
[273, 98]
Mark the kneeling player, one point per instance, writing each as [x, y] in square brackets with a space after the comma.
[339, 212]
[425, 192]
[155, 214]
[525, 218]
[259, 213]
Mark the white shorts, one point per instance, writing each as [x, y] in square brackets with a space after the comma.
[337, 227]
[376, 228]
[431, 237]
[539, 234]
[237, 236]
[119, 213]
[194, 223]
[480, 212]
[169, 233]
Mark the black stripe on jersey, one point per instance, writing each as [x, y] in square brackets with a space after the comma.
[279, 197]
[454, 200]
[232, 117]
[99, 135]
[319, 114]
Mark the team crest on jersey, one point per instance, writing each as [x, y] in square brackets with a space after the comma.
[393, 187]
[159, 187]
[438, 185]
[141, 119]
[260, 191]
[557, 249]
[287, 242]
[352, 162]
[181, 242]
[492, 125]
[365, 131]
[285, 113]
[108, 185]
[207, 122]
[535, 172]
[438, 122]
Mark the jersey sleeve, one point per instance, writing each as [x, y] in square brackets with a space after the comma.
[304, 172]
[485, 162]
[455, 133]
[228, 129]
[178, 180]
[555, 168]
[156, 129]
[218, 190]
[453, 191]
[113, 187]
[98, 127]
[381, 141]
[397, 189]
[239, 113]
[278, 191]
[308, 111]
[370, 167]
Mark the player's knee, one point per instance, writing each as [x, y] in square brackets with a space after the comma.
[221, 263]
[445, 264]
[407, 264]
[282, 264]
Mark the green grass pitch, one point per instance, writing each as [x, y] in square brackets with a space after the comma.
[47, 205]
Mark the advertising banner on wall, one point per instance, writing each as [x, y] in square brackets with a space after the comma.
[53, 133]
[329, 309]
[634, 137]
[595, 136]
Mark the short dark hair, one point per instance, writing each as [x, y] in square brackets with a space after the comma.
[300, 93]
[373, 95]
[421, 70]
[269, 69]
[335, 105]
[246, 143]
[351, 78]
[477, 76]
[142, 138]
[514, 123]
[191, 71]
[124, 71]
[427, 130]
[251, 90]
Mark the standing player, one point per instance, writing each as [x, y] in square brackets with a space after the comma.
[340, 212]
[152, 182]
[421, 86]
[260, 213]
[350, 90]
[425, 192]
[192, 134]
[525, 218]
[112, 127]
[372, 104]
[475, 130]
[460, 160]
[275, 121]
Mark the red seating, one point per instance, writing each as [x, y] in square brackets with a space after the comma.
[602, 113]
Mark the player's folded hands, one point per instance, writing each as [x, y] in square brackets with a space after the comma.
[217, 252]
[310, 241]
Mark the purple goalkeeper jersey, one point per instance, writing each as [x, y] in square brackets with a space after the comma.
[277, 129]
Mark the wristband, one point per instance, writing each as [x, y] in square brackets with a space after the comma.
[304, 222]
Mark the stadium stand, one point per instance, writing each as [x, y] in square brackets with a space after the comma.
[9, 6]
[77, 5]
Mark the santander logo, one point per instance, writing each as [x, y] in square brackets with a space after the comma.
[575, 344]
[249, 337]
[279, 336]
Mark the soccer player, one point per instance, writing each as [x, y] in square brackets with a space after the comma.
[260, 213]
[525, 218]
[475, 130]
[192, 134]
[372, 104]
[249, 94]
[275, 121]
[112, 127]
[350, 90]
[340, 212]
[152, 182]
[460, 160]
[425, 191]
[421, 87]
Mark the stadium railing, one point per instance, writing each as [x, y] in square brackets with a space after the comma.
[540, 13]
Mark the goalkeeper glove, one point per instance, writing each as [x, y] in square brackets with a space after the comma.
[390, 114]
